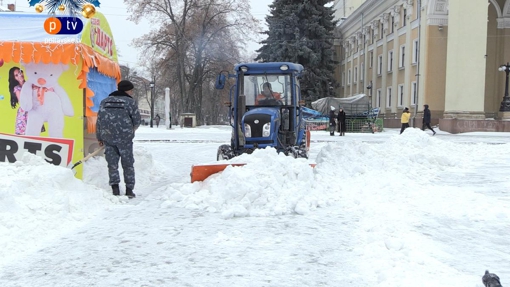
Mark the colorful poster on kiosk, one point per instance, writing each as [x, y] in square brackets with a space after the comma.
[97, 34]
[45, 89]
[38, 101]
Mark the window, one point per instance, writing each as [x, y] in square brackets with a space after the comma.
[260, 83]
[390, 61]
[414, 93]
[404, 18]
[349, 77]
[415, 51]
[362, 74]
[381, 27]
[379, 98]
[355, 74]
[392, 23]
[388, 98]
[373, 35]
[379, 65]
[400, 95]
[371, 59]
[402, 56]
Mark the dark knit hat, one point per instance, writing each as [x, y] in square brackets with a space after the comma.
[125, 85]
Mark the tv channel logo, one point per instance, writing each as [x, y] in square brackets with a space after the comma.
[63, 25]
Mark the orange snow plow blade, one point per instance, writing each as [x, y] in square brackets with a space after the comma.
[201, 172]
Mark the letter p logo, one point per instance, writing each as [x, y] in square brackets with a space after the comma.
[52, 25]
[63, 25]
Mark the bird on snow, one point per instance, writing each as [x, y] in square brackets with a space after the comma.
[491, 280]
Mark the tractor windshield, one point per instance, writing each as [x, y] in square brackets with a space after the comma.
[268, 89]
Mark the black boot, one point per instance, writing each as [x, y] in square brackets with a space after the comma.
[115, 189]
[129, 193]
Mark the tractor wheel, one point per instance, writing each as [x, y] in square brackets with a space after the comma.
[224, 152]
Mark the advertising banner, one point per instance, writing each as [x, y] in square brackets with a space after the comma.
[41, 100]
[54, 151]
[97, 34]
[52, 78]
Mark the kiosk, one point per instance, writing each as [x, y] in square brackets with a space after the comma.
[51, 85]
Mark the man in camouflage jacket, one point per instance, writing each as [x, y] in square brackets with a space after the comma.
[117, 120]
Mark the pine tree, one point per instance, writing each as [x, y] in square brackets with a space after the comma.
[301, 31]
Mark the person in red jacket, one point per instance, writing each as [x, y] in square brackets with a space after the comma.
[267, 96]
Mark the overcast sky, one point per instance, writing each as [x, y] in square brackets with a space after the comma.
[125, 31]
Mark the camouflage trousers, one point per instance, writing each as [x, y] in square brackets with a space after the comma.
[124, 152]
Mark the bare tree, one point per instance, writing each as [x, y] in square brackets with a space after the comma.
[193, 39]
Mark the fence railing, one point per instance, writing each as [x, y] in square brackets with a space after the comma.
[362, 120]
[353, 125]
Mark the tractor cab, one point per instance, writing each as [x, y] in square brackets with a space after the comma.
[265, 109]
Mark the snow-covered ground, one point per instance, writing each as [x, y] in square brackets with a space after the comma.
[377, 210]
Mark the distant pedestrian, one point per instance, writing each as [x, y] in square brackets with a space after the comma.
[332, 123]
[341, 122]
[117, 120]
[426, 119]
[406, 115]
[157, 118]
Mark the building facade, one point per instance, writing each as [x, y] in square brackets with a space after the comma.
[344, 8]
[444, 53]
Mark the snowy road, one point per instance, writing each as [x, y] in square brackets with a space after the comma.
[145, 245]
[425, 212]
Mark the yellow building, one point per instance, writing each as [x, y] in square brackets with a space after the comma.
[444, 53]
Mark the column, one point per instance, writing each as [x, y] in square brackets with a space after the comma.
[465, 65]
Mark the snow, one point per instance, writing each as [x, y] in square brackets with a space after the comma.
[377, 210]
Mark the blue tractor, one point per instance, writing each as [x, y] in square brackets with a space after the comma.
[265, 109]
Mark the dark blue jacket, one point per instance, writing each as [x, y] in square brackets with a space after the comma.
[426, 115]
[332, 118]
[117, 119]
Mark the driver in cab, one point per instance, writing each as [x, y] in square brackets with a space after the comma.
[267, 96]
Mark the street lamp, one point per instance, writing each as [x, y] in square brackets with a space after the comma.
[505, 104]
[151, 85]
[370, 111]
[369, 88]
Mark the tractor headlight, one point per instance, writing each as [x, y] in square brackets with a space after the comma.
[266, 130]
[247, 130]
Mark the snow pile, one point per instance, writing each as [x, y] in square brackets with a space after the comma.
[399, 194]
[37, 198]
[433, 211]
[39, 201]
[274, 184]
[269, 184]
